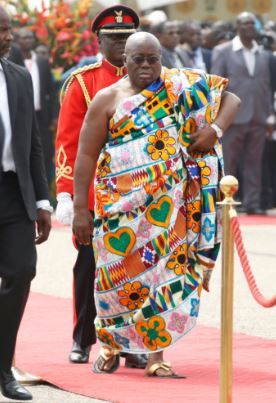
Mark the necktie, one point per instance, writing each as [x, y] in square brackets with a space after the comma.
[2, 135]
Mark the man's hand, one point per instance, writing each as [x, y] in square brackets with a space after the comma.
[206, 279]
[53, 125]
[269, 130]
[203, 140]
[64, 210]
[83, 226]
[43, 226]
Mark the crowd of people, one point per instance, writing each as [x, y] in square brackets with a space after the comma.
[143, 137]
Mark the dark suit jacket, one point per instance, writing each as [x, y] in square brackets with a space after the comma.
[26, 143]
[254, 91]
[48, 92]
[167, 58]
[187, 60]
[15, 55]
[207, 57]
[272, 67]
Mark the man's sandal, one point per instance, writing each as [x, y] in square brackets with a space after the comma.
[166, 366]
[102, 360]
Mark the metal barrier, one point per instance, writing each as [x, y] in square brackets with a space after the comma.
[229, 186]
[231, 232]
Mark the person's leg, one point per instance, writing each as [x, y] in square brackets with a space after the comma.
[84, 334]
[252, 172]
[233, 143]
[17, 268]
[83, 294]
[158, 367]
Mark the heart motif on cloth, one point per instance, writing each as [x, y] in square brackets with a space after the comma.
[120, 242]
[159, 213]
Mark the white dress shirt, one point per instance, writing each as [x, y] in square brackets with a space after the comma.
[31, 65]
[249, 53]
[198, 60]
[7, 157]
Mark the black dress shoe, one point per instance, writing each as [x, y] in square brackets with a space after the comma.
[136, 360]
[255, 211]
[79, 354]
[11, 389]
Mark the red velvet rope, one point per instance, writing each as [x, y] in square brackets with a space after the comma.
[266, 303]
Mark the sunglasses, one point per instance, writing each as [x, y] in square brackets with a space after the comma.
[150, 59]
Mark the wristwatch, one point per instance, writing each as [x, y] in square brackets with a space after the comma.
[47, 208]
[218, 130]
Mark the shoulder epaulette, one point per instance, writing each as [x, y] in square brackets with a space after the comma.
[78, 75]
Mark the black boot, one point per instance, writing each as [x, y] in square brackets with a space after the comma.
[11, 389]
[79, 354]
[135, 360]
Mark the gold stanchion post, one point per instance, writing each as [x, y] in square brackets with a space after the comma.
[24, 378]
[229, 186]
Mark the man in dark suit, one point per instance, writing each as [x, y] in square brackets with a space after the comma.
[45, 96]
[190, 48]
[168, 34]
[23, 201]
[247, 66]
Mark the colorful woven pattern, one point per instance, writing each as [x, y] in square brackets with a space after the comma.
[156, 216]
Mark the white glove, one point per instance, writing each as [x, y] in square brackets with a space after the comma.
[64, 210]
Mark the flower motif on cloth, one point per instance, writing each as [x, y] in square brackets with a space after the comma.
[127, 206]
[178, 260]
[205, 172]
[133, 295]
[194, 216]
[108, 339]
[126, 157]
[177, 322]
[178, 198]
[123, 341]
[161, 145]
[195, 307]
[144, 229]
[103, 167]
[135, 338]
[154, 333]
[101, 251]
[208, 229]
[200, 120]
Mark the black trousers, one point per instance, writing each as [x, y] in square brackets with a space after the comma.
[83, 297]
[17, 264]
[47, 142]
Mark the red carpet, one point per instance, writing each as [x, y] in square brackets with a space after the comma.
[257, 219]
[45, 339]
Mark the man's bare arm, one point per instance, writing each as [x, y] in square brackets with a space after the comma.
[92, 139]
[205, 139]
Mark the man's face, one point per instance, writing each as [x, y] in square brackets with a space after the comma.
[113, 47]
[5, 34]
[170, 36]
[43, 52]
[246, 27]
[143, 64]
[194, 37]
[26, 40]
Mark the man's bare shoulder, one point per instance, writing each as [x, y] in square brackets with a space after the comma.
[110, 92]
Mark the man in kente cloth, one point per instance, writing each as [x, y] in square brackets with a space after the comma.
[154, 141]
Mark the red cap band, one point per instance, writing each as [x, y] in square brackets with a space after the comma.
[111, 19]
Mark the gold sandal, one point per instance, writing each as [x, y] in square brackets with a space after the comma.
[166, 366]
[105, 356]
